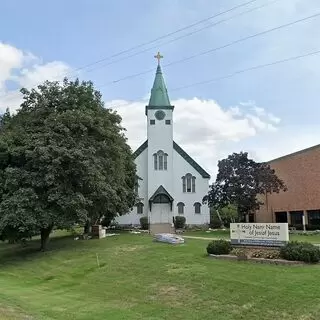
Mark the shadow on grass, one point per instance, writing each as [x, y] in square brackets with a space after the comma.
[16, 253]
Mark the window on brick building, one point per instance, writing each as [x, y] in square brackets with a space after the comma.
[296, 218]
[313, 217]
[281, 216]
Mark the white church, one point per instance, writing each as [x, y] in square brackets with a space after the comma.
[171, 183]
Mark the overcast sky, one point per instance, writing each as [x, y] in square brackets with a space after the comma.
[268, 112]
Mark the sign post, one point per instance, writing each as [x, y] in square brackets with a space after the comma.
[259, 234]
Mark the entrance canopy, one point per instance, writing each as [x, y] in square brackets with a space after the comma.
[161, 196]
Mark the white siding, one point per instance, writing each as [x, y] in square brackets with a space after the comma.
[142, 171]
[160, 137]
[181, 168]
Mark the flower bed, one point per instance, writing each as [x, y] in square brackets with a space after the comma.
[294, 253]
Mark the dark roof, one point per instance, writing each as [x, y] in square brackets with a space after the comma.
[182, 153]
[140, 149]
[161, 190]
[192, 162]
[294, 153]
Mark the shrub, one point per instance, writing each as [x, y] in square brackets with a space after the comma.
[300, 251]
[219, 247]
[179, 222]
[144, 223]
[313, 227]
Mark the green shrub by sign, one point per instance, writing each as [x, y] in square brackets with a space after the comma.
[300, 251]
[219, 247]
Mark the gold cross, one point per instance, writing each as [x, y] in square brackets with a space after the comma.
[158, 56]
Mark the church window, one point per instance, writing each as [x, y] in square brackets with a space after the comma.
[160, 160]
[161, 198]
[140, 208]
[152, 121]
[189, 183]
[180, 206]
[168, 122]
[197, 207]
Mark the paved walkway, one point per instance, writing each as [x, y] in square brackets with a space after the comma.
[200, 238]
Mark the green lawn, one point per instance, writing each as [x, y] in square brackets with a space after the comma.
[140, 279]
[225, 234]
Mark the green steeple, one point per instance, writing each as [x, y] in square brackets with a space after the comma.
[159, 94]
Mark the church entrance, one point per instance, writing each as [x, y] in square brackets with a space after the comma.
[160, 213]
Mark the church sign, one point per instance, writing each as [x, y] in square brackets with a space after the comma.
[259, 234]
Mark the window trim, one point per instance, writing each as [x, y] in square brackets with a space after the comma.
[188, 183]
[197, 205]
[140, 207]
[160, 161]
[180, 206]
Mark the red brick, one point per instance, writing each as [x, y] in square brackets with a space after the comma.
[301, 173]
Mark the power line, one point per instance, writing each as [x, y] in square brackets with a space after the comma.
[155, 40]
[215, 49]
[260, 66]
[168, 34]
[179, 38]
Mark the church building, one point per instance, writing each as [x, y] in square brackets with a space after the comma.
[170, 182]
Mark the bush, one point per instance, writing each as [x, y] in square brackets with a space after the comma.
[296, 226]
[300, 251]
[313, 227]
[219, 247]
[144, 223]
[179, 222]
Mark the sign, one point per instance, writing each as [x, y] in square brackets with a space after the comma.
[259, 234]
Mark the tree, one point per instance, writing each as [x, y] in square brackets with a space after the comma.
[64, 159]
[239, 182]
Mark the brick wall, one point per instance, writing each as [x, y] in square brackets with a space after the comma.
[301, 173]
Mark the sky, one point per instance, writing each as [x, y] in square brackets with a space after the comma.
[268, 112]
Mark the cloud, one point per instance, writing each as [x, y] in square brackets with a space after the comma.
[19, 68]
[206, 130]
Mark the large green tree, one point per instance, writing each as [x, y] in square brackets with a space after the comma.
[240, 181]
[64, 159]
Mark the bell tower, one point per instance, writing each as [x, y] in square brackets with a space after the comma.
[159, 114]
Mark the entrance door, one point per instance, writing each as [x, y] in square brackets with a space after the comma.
[160, 213]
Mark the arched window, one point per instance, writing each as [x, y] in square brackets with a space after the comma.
[160, 160]
[140, 208]
[180, 206]
[189, 183]
[197, 207]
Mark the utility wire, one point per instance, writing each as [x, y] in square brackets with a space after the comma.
[215, 49]
[155, 40]
[179, 38]
[248, 69]
[260, 66]
[167, 35]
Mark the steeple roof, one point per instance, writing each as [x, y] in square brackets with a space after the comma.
[159, 93]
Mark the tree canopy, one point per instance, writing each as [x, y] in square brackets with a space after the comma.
[64, 159]
[239, 182]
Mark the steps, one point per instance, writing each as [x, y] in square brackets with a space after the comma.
[161, 228]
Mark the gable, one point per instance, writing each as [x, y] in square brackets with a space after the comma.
[191, 161]
[182, 153]
[143, 147]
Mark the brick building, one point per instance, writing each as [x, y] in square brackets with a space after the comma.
[301, 173]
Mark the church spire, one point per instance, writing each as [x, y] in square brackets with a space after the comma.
[159, 94]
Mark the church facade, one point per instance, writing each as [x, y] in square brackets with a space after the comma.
[170, 182]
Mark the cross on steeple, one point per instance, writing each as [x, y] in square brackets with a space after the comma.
[158, 56]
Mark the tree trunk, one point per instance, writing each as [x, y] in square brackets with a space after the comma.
[45, 232]
[87, 227]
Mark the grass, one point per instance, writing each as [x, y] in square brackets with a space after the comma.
[140, 279]
[225, 234]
